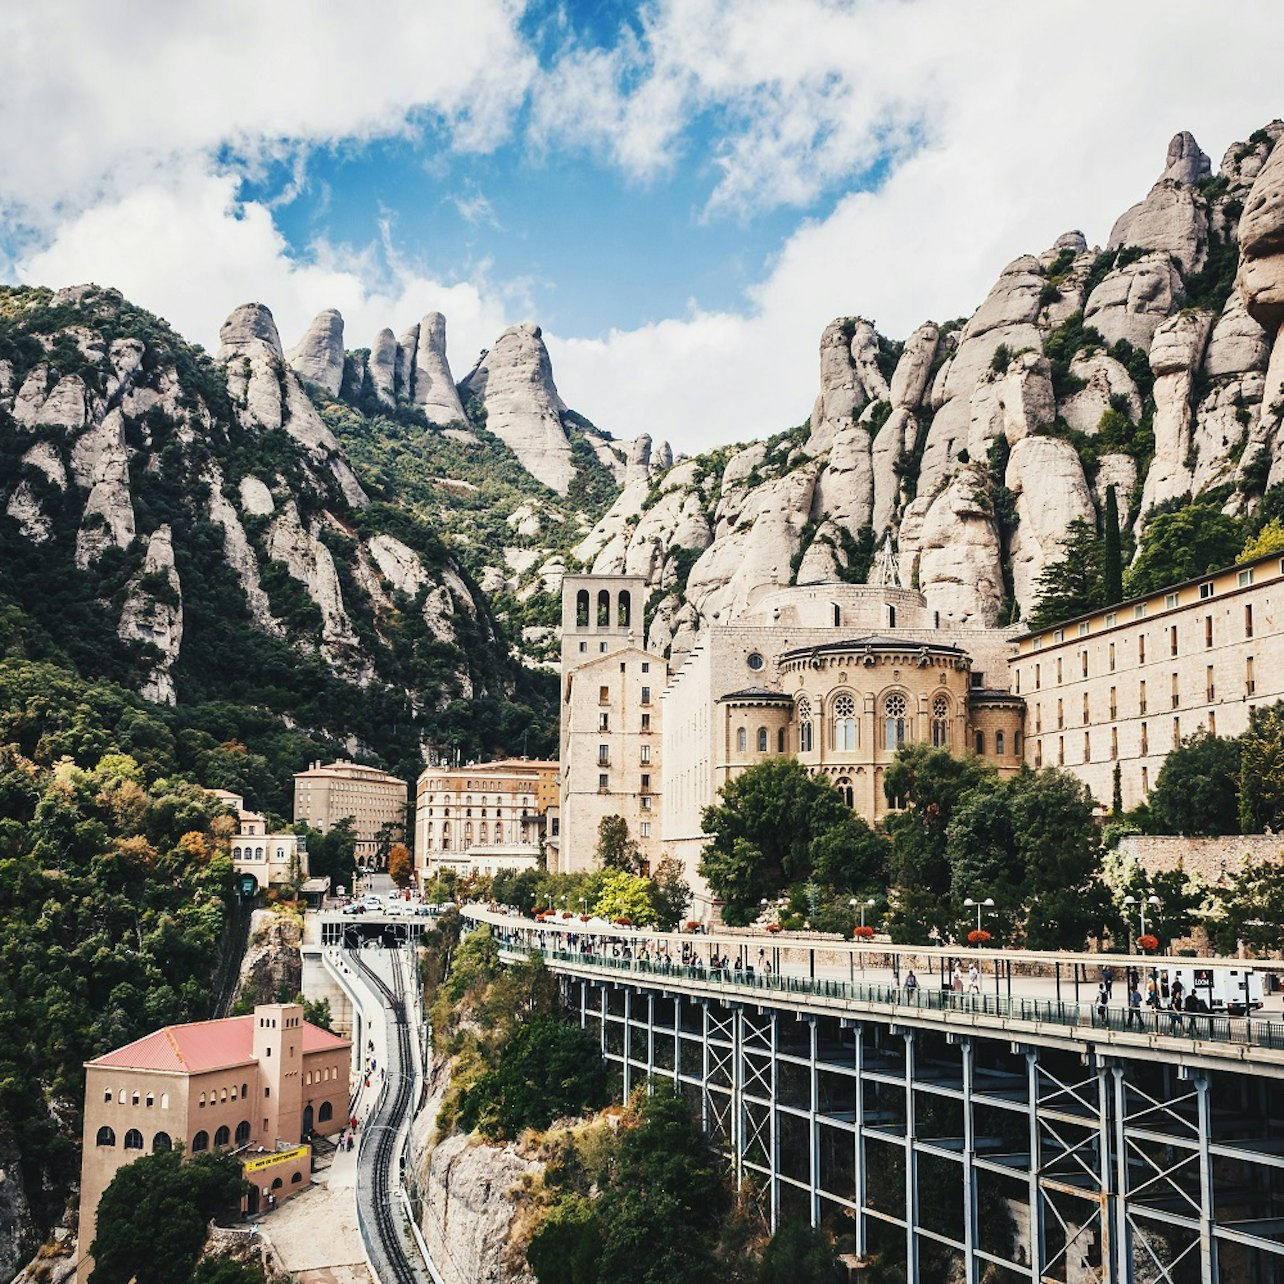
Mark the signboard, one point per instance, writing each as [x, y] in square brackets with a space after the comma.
[249, 885]
[281, 1157]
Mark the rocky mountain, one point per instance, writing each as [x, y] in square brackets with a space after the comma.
[193, 527]
[955, 460]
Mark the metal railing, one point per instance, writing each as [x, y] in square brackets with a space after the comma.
[1193, 1026]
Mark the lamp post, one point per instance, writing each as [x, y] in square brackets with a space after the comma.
[1152, 900]
[987, 904]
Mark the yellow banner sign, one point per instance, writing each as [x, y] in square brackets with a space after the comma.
[281, 1157]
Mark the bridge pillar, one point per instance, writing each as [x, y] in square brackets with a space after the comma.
[1034, 1194]
[813, 1120]
[1207, 1243]
[970, 1229]
[911, 1166]
[858, 1141]
[628, 1041]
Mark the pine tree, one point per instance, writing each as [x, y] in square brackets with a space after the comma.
[1112, 560]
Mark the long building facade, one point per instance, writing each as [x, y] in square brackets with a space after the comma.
[840, 676]
[372, 799]
[1120, 688]
[485, 817]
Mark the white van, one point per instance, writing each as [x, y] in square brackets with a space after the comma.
[1235, 991]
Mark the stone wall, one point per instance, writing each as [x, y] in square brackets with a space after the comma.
[1210, 858]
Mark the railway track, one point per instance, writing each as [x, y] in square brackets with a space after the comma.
[379, 1142]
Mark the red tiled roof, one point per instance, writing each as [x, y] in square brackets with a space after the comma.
[205, 1045]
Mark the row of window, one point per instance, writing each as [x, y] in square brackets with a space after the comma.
[134, 1139]
[1143, 744]
[484, 834]
[1207, 590]
[1170, 637]
[135, 1098]
[254, 853]
[623, 609]
[1208, 696]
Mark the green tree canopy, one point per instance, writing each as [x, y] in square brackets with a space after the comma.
[1197, 789]
[1261, 771]
[152, 1219]
[616, 848]
[625, 895]
[1075, 582]
[548, 1068]
[1181, 545]
[1253, 909]
[775, 825]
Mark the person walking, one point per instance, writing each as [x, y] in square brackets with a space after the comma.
[1103, 1006]
[1108, 980]
[1134, 1008]
[911, 981]
[956, 978]
[973, 979]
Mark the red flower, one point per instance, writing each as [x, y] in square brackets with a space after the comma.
[773, 927]
[692, 924]
[1148, 942]
[864, 932]
[978, 937]
[624, 921]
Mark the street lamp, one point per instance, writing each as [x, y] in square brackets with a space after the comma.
[865, 905]
[1152, 900]
[988, 904]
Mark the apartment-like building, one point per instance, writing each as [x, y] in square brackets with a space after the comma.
[484, 817]
[1120, 688]
[269, 859]
[374, 800]
[257, 1086]
[610, 743]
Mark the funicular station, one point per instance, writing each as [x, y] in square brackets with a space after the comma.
[1012, 1134]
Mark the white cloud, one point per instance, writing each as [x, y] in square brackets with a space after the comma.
[1028, 129]
[95, 94]
[1024, 123]
[183, 246]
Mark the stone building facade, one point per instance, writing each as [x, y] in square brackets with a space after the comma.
[375, 801]
[484, 817]
[610, 743]
[256, 1086]
[838, 676]
[270, 859]
[1120, 688]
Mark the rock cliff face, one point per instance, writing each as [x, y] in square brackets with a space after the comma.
[955, 462]
[514, 383]
[470, 1208]
[272, 965]
[186, 503]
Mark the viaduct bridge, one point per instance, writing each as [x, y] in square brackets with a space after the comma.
[1013, 1134]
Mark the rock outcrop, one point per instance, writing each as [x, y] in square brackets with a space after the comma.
[318, 357]
[513, 381]
[273, 964]
[432, 386]
[1260, 279]
[153, 615]
[381, 367]
[1173, 218]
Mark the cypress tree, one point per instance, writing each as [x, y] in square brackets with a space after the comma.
[1112, 563]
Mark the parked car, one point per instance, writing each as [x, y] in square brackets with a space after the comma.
[395, 909]
[373, 904]
[354, 907]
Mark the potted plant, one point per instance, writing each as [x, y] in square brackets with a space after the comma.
[978, 936]
[1148, 942]
[863, 933]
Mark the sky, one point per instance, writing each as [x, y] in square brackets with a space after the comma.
[682, 193]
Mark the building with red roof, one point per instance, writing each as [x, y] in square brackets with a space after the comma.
[258, 1086]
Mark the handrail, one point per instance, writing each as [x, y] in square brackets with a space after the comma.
[1195, 1026]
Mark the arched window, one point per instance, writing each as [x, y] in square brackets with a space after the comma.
[277, 1183]
[445, 836]
[107, 1095]
[242, 1132]
[326, 1113]
[844, 722]
[201, 1141]
[762, 739]
[468, 834]
[998, 742]
[236, 853]
[894, 720]
[258, 853]
[106, 1137]
[120, 1096]
[223, 1136]
[162, 1141]
[245, 1089]
[582, 609]
[940, 722]
[483, 834]
[980, 741]
[624, 607]
[742, 740]
[805, 731]
[133, 1140]
[603, 609]
[164, 1100]
[296, 1179]
[150, 1100]
[844, 786]
[780, 740]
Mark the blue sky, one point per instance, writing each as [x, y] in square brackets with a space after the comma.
[681, 192]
